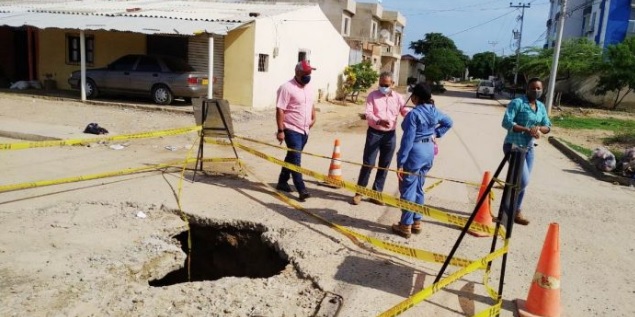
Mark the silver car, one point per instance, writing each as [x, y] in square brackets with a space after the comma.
[162, 77]
[485, 87]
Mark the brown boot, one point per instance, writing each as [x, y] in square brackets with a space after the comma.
[417, 226]
[402, 230]
[357, 199]
[519, 219]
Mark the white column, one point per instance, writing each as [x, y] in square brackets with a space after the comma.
[82, 63]
[210, 65]
[556, 56]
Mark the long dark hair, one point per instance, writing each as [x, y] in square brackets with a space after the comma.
[423, 92]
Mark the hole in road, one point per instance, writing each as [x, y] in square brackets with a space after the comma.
[224, 251]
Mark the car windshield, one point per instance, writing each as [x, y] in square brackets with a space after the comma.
[177, 65]
[486, 84]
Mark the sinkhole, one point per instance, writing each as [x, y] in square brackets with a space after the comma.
[221, 251]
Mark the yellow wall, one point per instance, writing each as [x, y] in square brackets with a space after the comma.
[239, 66]
[108, 47]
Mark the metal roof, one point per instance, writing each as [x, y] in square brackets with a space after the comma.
[140, 16]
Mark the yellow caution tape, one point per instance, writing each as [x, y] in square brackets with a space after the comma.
[142, 135]
[350, 162]
[387, 199]
[12, 187]
[494, 310]
[355, 236]
[430, 290]
[493, 294]
[429, 188]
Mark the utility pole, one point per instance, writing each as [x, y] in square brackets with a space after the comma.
[493, 44]
[519, 35]
[556, 56]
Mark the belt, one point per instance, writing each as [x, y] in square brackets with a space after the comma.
[424, 140]
[380, 131]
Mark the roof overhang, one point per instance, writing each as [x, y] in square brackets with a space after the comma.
[139, 16]
[145, 25]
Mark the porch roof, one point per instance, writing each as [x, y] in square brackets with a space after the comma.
[139, 16]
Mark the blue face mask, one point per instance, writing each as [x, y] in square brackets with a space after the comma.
[384, 90]
[305, 79]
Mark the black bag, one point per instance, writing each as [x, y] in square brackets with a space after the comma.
[94, 128]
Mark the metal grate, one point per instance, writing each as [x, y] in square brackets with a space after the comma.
[263, 62]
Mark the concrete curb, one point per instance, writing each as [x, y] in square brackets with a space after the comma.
[586, 165]
[26, 136]
[106, 103]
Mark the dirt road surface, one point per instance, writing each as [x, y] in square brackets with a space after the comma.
[103, 247]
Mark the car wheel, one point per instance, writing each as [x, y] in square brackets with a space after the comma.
[91, 89]
[492, 96]
[162, 95]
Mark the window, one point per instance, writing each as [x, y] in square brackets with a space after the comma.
[176, 65]
[124, 63]
[304, 54]
[346, 25]
[373, 29]
[73, 52]
[148, 64]
[263, 62]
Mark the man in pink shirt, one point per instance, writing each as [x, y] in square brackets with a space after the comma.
[295, 115]
[383, 106]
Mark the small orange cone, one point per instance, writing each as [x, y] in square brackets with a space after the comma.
[335, 170]
[483, 215]
[544, 294]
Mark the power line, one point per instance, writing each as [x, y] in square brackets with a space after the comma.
[481, 24]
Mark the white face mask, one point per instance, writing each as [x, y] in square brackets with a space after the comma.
[384, 90]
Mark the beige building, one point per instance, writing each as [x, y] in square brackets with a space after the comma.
[255, 45]
[410, 67]
[372, 33]
[376, 36]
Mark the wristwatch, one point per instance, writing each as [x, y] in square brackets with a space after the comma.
[280, 131]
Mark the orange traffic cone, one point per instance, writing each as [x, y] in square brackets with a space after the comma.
[335, 170]
[544, 294]
[483, 215]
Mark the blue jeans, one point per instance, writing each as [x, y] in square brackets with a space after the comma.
[528, 166]
[296, 141]
[420, 160]
[377, 142]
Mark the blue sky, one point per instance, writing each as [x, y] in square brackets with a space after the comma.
[451, 17]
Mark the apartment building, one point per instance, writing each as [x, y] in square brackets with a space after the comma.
[373, 34]
[604, 22]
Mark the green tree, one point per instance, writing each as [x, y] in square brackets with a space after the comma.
[617, 71]
[442, 63]
[430, 42]
[578, 57]
[441, 57]
[483, 64]
[358, 77]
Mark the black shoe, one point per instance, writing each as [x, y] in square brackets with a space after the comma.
[284, 188]
[304, 196]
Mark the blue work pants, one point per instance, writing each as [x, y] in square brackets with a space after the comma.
[296, 141]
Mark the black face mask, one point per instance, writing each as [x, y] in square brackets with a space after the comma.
[534, 94]
[305, 79]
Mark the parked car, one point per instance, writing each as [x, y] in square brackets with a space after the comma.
[485, 87]
[163, 78]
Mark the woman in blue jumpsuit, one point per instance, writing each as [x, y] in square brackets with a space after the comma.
[421, 127]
